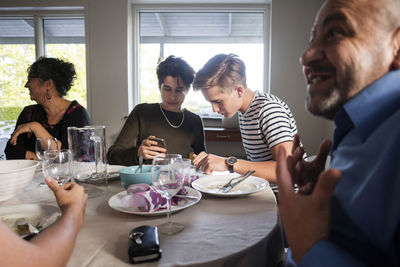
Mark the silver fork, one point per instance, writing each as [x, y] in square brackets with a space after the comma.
[234, 178]
[229, 188]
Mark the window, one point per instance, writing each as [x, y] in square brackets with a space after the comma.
[17, 52]
[196, 36]
[22, 40]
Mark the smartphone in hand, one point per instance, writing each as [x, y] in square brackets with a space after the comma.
[160, 141]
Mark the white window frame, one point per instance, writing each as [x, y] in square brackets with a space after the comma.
[137, 8]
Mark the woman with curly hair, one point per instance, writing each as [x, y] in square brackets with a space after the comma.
[49, 80]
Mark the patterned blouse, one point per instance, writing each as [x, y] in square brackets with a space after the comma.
[76, 115]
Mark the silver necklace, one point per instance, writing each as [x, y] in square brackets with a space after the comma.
[173, 126]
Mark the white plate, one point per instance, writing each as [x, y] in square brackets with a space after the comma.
[115, 202]
[209, 184]
[40, 216]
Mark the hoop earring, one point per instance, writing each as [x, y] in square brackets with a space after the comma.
[48, 97]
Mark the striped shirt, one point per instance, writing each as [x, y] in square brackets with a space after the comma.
[267, 122]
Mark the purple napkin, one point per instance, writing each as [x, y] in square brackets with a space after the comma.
[190, 180]
[144, 198]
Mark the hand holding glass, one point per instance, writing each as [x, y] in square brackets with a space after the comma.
[56, 164]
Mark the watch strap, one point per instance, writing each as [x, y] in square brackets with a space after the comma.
[230, 161]
[230, 168]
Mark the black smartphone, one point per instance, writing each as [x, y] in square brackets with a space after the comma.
[160, 141]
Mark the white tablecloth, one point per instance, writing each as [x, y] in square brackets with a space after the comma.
[218, 231]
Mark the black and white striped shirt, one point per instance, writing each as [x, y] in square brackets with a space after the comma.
[267, 122]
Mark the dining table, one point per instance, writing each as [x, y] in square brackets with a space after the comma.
[219, 231]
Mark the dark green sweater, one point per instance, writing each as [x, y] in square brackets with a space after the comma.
[146, 120]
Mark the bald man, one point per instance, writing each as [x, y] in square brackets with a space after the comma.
[348, 215]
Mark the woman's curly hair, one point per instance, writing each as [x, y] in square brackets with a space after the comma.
[62, 73]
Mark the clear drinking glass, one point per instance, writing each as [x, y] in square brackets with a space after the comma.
[44, 144]
[167, 181]
[57, 164]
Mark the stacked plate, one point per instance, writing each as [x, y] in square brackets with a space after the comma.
[14, 176]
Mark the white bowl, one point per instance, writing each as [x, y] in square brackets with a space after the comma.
[15, 184]
[15, 175]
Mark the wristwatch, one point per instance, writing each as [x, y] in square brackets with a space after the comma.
[230, 161]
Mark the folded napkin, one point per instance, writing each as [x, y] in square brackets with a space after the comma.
[144, 198]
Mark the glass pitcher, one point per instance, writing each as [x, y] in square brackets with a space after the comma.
[88, 147]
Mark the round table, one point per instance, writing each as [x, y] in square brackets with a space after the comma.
[240, 231]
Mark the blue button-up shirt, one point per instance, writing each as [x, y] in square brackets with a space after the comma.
[365, 208]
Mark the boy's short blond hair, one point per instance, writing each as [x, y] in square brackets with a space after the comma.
[225, 71]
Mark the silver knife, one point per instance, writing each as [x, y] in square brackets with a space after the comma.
[229, 188]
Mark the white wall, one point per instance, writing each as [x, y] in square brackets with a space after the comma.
[291, 23]
[107, 64]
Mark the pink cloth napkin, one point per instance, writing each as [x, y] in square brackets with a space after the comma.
[144, 198]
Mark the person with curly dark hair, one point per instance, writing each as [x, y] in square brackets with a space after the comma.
[49, 80]
[181, 129]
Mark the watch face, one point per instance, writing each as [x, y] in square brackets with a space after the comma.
[231, 160]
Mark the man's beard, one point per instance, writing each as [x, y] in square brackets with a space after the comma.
[328, 106]
[335, 99]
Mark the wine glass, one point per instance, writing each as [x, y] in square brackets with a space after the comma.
[42, 145]
[57, 164]
[167, 181]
